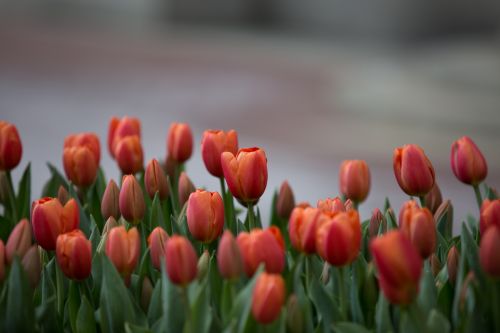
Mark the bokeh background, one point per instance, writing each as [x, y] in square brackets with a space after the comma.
[312, 82]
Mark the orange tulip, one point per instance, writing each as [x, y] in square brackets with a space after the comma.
[331, 206]
[205, 215]
[180, 142]
[418, 225]
[399, 266]
[285, 202]
[49, 219]
[131, 201]
[213, 144]
[467, 161]
[229, 258]
[338, 240]
[81, 158]
[354, 180]
[155, 180]
[181, 260]
[123, 248]
[489, 252]
[413, 170]
[268, 297]
[490, 215]
[121, 128]
[156, 242]
[245, 173]
[19, 241]
[110, 205]
[74, 254]
[302, 228]
[11, 148]
[129, 155]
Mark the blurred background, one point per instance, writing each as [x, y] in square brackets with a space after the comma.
[312, 82]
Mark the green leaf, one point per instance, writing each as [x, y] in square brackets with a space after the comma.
[24, 194]
[94, 205]
[156, 216]
[200, 316]
[391, 220]
[73, 304]
[95, 235]
[382, 317]
[131, 328]
[427, 296]
[155, 305]
[19, 312]
[437, 323]
[85, 321]
[445, 299]
[358, 268]
[84, 220]
[347, 327]
[325, 305]
[242, 304]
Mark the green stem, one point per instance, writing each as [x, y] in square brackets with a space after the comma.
[251, 217]
[422, 201]
[167, 215]
[342, 293]
[479, 198]
[187, 310]
[60, 291]
[227, 212]
[12, 199]
[495, 299]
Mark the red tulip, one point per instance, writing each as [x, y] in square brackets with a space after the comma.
[121, 128]
[19, 241]
[81, 158]
[467, 161]
[413, 170]
[418, 225]
[155, 180]
[74, 255]
[490, 215]
[354, 180]
[452, 261]
[229, 258]
[123, 249]
[302, 228]
[181, 260]
[180, 142]
[376, 220]
[156, 242]
[285, 202]
[268, 297]
[213, 144]
[32, 265]
[110, 205]
[129, 155]
[185, 189]
[131, 201]
[433, 199]
[11, 148]
[489, 252]
[205, 215]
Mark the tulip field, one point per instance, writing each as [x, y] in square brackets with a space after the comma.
[150, 252]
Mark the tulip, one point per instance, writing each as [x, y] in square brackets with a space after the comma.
[81, 158]
[213, 144]
[32, 265]
[376, 221]
[146, 293]
[186, 187]
[452, 261]
[338, 240]
[229, 258]
[467, 161]
[418, 225]
[131, 201]
[302, 228]
[262, 246]
[121, 128]
[129, 155]
[245, 173]
[156, 242]
[294, 316]
[489, 252]
[19, 241]
[399, 266]
[268, 297]
[63, 195]
[180, 142]
[413, 170]
[49, 219]
[123, 248]
[110, 206]
[205, 215]
[170, 168]
[74, 255]
[155, 180]
[11, 148]
[433, 199]
[490, 215]
[2, 261]
[202, 265]
[331, 206]
[354, 180]
[435, 265]
[181, 260]
[285, 202]
[444, 211]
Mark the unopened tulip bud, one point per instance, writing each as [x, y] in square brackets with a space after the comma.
[245, 173]
[302, 228]
[202, 265]
[285, 202]
[131, 200]
[467, 161]
[180, 142]
[435, 265]
[377, 222]
[433, 199]
[155, 180]
[418, 225]
[156, 242]
[331, 206]
[213, 144]
[121, 128]
[146, 293]
[11, 148]
[49, 219]
[181, 260]
[110, 206]
[129, 155]
[413, 170]
[268, 297]
[444, 211]
[19, 241]
[63, 195]
[294, 316]
[489, 252]
[2, 261]
[354, 180]
[490, 215]
[123, 248]
[452, 264]
[229, 260]
[205, 215]
[399, 266]
[32, 265]
[170, 168]
[74, 255]
[186, 187]
[81, 158]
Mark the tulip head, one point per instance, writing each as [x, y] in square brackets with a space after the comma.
[205, 215]
[81, 156]
[413, 170]
[74, 254]
[354, 180]
[129, 155]
[302, 228]
[433, 199]
[32, 265]
[399, 266]
[121, 128]
[338, 240]
[155, 180]
[180, 142]
[19, 241]
[110, 205]
[131, 200]
[11, 148]
[418, 225]
[49, 219]
[229, 258]
[452, 261]
[490, 215]
[181, 260]
[123, 249]
[285, 202]
[245, 173]
[156, 242]
[435, 265]
[331, 206]
[489, 252]
[186, 187]
[467, 161]
[268, 297]
[376, 221]
[213, 144]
